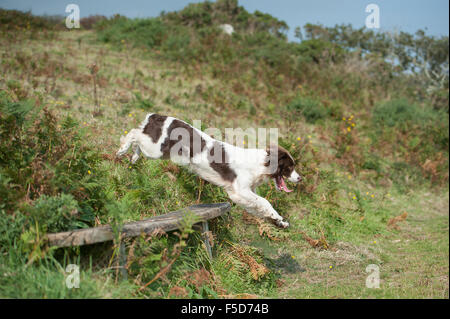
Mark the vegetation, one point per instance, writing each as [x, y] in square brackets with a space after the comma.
[364, 113]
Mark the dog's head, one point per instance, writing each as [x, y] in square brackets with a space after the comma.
[285, 168]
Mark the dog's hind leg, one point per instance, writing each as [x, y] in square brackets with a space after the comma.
[137, 153]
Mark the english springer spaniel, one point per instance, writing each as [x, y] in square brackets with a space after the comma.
[238, 170]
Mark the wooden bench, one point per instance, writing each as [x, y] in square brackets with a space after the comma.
[167, 222]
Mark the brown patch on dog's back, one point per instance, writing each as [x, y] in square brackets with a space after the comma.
[221, 166]
[193, 136]
[154, 126]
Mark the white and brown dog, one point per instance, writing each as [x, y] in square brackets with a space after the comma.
[239, 171]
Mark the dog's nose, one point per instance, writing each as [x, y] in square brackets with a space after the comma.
[299, 179]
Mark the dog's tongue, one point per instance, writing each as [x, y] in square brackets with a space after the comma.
[283, 186]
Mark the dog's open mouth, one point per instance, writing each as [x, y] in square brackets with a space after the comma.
[281, 185]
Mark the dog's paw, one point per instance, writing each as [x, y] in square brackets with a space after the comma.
[281, 224]
[120, 154]
[134, 159]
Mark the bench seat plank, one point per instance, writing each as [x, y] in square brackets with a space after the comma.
[166, 222]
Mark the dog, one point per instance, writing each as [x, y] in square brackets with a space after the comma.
[238, 170]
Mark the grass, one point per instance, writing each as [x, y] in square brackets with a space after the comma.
[412, 260]
[356, 181]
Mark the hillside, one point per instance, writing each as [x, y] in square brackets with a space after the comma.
[370, 137]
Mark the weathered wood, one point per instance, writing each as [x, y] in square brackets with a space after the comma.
[123, 260]
[205, 229]
[166, 222]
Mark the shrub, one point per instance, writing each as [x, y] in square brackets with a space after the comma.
[57, 213]
[312, 110]
[90, 21]
[17, 20]
[428, 126]
[195, 15]
[11, 227]
[140, 102]
[419, 134]
[176, 45]
[372, 161]
[37, 157]
[401, 113]
[316, 51]
[140, 32]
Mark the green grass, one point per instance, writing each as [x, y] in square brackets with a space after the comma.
[412, 260]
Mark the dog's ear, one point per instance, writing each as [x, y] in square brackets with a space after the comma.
[277, 155]
[285, 162]
[272, 154]
[282, 152]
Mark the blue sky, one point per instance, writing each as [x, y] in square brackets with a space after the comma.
[401, 15]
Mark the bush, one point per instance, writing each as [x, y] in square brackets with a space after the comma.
[37, 157]
[11, 227]
[176, 46]
[140, 32]
[195, 15]
[57, 213]
[419, 134]
[316, 51]
[401, 113]
[428, 127]
[89, 22]
[17, 20]
[312, 110]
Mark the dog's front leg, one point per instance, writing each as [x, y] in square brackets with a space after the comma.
[257, 205]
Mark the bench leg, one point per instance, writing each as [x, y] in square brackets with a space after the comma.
[123, 260]
[205, 230]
